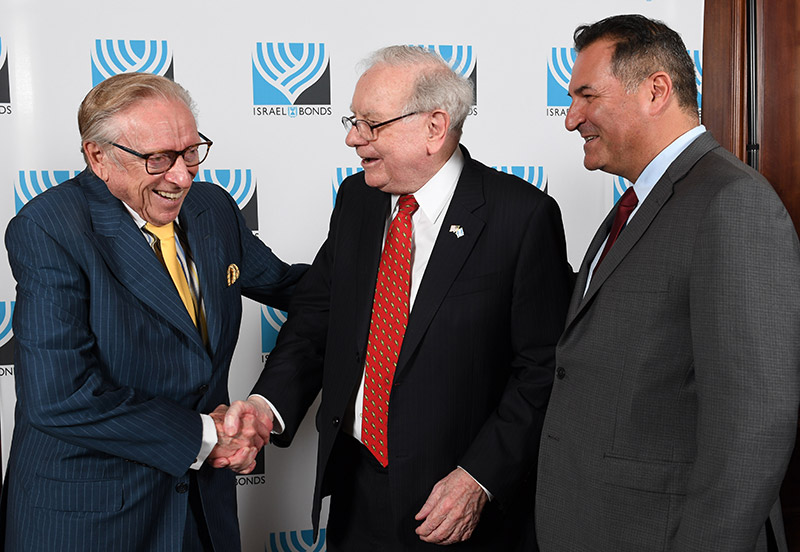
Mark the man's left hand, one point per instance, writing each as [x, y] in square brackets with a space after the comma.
[452, 510]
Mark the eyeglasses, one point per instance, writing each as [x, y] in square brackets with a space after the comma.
[367, 130]
[161, 161]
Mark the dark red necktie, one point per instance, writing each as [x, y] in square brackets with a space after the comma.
[627, 204]
[387, 328]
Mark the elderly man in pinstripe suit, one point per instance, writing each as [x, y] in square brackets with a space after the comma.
[125, 335]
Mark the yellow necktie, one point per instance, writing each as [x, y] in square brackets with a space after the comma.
[166, 239]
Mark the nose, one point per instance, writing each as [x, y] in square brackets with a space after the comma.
[179, 174]
[354, 138]
[574, 116]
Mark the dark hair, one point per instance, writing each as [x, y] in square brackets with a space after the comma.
[644, 46]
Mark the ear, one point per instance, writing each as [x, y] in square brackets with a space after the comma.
[660, 91]
[438, 125]
[98, 159]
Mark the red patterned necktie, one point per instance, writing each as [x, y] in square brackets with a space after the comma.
[387, 328]
[627, 204]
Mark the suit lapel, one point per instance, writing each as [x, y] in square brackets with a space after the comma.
[448, 256]
[374, 213]
[206, 251]
[591, 253]
[130, 259]
[647, 212]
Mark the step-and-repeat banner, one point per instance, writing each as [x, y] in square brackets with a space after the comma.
[272, 81]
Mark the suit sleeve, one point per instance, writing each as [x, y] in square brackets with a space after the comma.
[292, 376]
[745, 315]
[63, 389]
[265, 277]
[504, 452]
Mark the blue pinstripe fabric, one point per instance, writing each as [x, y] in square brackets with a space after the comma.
[111, 373]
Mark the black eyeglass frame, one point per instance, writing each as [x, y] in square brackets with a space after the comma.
[174, 154]
[350, 122]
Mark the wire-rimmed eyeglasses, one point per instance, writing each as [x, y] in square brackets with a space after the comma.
[366, 129]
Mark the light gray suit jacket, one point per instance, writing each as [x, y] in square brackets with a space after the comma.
[674, 408]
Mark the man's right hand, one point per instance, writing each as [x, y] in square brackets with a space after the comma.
[242, 429]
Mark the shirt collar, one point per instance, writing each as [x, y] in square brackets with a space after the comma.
[435, 194]
[654, 170]
[140, 222]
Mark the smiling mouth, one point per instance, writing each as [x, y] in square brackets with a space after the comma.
[588, 139]
[169, 195]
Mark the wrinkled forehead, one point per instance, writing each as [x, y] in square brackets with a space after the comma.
[157, 119]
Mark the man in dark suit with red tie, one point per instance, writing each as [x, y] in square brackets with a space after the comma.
[428, 320]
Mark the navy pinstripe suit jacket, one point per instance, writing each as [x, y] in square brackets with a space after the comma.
[111, 373]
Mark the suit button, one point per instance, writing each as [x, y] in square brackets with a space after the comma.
[335, 421]
[560, 372]
[202, 389]
[182, 487]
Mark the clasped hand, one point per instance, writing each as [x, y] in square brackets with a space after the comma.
[242, 430]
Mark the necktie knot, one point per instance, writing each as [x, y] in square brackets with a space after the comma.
[407, 204]
[163, 233]
[169, 257]
[629, 200]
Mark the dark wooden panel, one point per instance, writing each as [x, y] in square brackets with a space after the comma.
[724, 76]
[725, 114]
[779, 41]
[779, 117]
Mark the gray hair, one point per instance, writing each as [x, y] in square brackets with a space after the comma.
[437, 85]
[98, 110]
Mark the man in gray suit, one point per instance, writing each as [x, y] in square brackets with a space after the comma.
[673, 413]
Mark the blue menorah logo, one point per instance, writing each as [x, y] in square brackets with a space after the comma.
[530, 174]
[271, 321]
[29, 184]
[6, 315]
[283, 72]
[238, 182]
[620, 185]
[338, 178]
[113, 57]
[5, 88]
[459, 57]
[241, 185]
[295, 541]
[461, 60]
[559, 71]
[697, 57]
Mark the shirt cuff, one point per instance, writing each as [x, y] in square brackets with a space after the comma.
[485, 490]
[277, 423]
[209, 441]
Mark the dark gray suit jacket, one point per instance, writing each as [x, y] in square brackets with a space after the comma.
[674, 408]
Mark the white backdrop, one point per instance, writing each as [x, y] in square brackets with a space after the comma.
[271, 81]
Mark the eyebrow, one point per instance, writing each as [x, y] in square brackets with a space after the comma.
[582, 89]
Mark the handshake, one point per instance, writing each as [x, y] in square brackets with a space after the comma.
[242, 429]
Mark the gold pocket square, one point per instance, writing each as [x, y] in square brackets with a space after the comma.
[233, 274]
